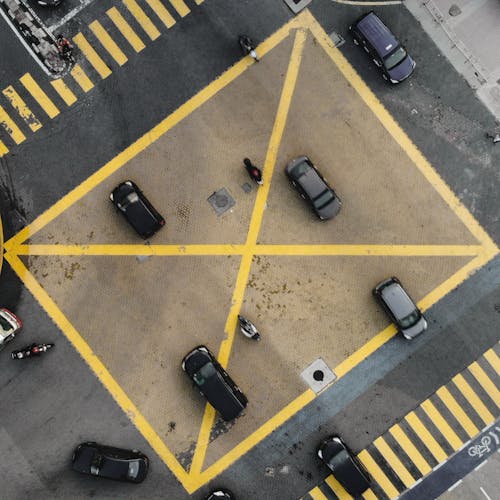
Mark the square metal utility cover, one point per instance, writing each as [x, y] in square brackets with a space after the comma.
[318, 375]
[297, 5]
[337, 39]
[221, 201]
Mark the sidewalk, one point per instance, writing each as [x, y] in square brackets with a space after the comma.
[468, 34]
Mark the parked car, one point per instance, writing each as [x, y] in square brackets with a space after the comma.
[109, 462]
[312, 186]
[222, 494]
[400, 308]
[49, 3]
[10, 324]
[139, 212]
[382, 46]
[346, 468]
[214, 382]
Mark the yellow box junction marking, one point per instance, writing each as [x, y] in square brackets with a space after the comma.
[108, 43]
[10, 127]
[21, 107]
[159, 9]
[39, 95]
[92, 56]
[141, 17]
[17, 246]
[125, 29]
[64, 91]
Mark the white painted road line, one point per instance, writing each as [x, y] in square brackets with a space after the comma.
[70, 15]
[484, 493]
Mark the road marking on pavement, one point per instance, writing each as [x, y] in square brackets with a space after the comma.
[485, 382]
[81, 78]
[21, 107]
[376, 472]
[410, 449]
[125, 29]
[108, 43]
[457, 411]
[337, 488]
[317, 494]
[64, 91]
[92, 56]
[141, 17]
[39, 95]
[181, 8]
[369, 495]
[425, 436]
[159, 9]
[493, 360]
[10, 127]
[3, 149]
[393, 460]
[441, 424]
[473, 399]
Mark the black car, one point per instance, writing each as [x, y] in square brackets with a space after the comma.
[214, 382]
[109, 462]
[311, 185]
[346, 468]
[400, 307]
[382, 46]
[141, 215]
[49, 3]
[221, 494]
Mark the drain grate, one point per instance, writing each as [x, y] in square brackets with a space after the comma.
[221, 201]
[318, 375]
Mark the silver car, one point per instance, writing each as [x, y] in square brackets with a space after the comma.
[10, 324]
[400, 307]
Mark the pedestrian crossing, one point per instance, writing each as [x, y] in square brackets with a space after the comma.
[429, 434]
[103, 46]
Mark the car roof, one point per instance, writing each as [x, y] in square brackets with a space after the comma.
[312, 183]
[397, 299]
[380, 36]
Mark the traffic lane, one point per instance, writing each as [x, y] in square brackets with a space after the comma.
[377, 393]
[127, 104]
[435, 102]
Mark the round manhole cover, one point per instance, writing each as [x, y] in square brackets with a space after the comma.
[318, 375]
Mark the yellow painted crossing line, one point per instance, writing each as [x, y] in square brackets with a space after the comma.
[426, 437]
[22, 109]
[337, 488]
[108, 43]
[378, 474]
[485, 382]
[39, 95]
[125, 29]
[439, 421]
[493, 360]
[141, 17]
[393, 460]
[3, 149]
[473, 399]
[410, 449]
[317, 494]
[81, 78]
[457, 411]
[181, 8]
[160, 10]
[92, 56]
[10, 126]
[64, 91]
[369, 495]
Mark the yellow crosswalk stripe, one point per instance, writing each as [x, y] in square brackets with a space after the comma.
[485, 382]
[9, 125]
[410, 449]
[21, 107]
[426, 437]
[125, 29]
[493, 360]
[198, 2]
[3, 149]
[396, 464]
[66, 94]
[108, 43]
[457, 411]
[142, 19]
[181, 8]
[317, 494]
[369, 495]
[39, 95]
[442, 425]
[160, 10]
[92, 56]
[81, 78]
[473, 399]
[377, 474]
[337, 488]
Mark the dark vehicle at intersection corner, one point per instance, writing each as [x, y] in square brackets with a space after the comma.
[346, 468]
[312, 186]
[408, 318]
[214, 382]
[110, 462]
[382, 46]
[137, 209]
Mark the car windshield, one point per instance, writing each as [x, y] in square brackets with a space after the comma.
[133, 469]
[395, 58]
[410, 320]
[5, 326]
[204, 373]
[323, 199]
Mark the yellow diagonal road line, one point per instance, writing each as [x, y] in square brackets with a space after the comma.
[255, 224]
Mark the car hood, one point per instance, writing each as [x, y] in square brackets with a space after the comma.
[415, 330]
[403, 70]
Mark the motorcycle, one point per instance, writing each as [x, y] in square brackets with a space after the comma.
[31, 351]
[65, 49]
[254, 172]
[248, 47]
[248, 329]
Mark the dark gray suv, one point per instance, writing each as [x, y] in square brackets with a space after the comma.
[400, 308]
[382, 46]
